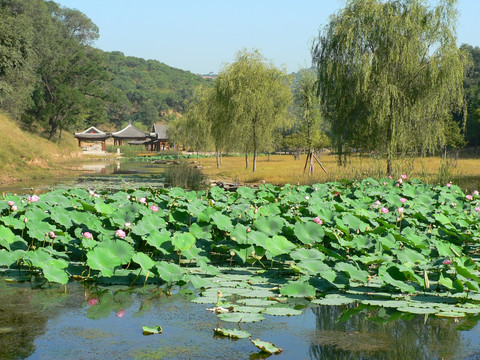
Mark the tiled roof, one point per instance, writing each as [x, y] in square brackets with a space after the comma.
[92, 133]
[130, 132]
[161, 131]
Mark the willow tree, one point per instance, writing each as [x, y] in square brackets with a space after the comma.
[390, 74]
[310, 115]
[255, 97]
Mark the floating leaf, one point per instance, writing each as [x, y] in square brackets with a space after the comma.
[232, 333]
[282, 311]
[266, 346]
[152, 330]
[298, 289]
[309, 233]
[241, 317]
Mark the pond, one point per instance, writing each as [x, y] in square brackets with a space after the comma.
[106, 323]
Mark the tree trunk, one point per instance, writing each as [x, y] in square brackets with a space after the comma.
[254, 147]
[217, 157]
[246, 159]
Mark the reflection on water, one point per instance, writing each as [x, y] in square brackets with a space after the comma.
[106, 323]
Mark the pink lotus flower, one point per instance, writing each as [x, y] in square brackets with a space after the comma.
[475, 192]
[384, 210]
[469, 197]
[248, 230]
[11, 203]
[400, 210]
[128, 197]
[120, 313]
[448, 185]
[315, 189]
[255, 211]
[336, 194]
[376, 204]
[52, 235]
[318, 220]
[142, 200]
[477, 208]
[25, 220]
[453, 204]
[92, 301]
[154, 208]
[87, 235]
[33, 198]
[120, 233]
[447, 262]
[127, 224]
[400, 181]
[307, 197]
[91, 192]
[390, 177]
[403, 200]
[403, 176]
[384, 183]
[14, 208]
[212, 201]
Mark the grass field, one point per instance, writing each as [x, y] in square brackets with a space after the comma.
[25, 155]
[282, 169]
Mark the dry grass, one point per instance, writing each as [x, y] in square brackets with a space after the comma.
[29, 156]
[282, 169]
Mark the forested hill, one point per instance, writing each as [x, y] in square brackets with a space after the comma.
[53, 79]
[147, 91]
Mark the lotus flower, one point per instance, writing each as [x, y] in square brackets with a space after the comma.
[477, 208]
[400, 210]
[87, 235]
[475, 192]
[120, 233]
[255, 211]
[92, 301]
[307, 197]
[400, 181]
[127, 224]
[14, 208]
[384, 210]
[52, 235]
[142, 200]
[447, 262]
[248, 230]
[11, 203]
[91, 192]
[403, 176]
[120, 313]
[469, 197]
[403, 200]
[33, 198]
[318, 220]
[448, 184]
[128, 197]
[376, 204]
[154, 208]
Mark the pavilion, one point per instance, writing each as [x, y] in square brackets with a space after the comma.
[130, 132]
[92, 134]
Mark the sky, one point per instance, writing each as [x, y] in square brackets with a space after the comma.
[202, 36]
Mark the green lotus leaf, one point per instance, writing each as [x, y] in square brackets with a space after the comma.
[120, 249]
[169, 272]
[102, 208]
[417, 310]
[334, 300]
[237, 317]
[7, 237]
[54, 271]
[307, 254]
[392, 276]
[256, 302]
[248, 309]
[278, 245]
[282, 311]
[309, 233]
[7, 258]
[232, 333]
[269, 225]
[157, 238]
[101, 258]
[450, 314]
[222, 222]
[245, 192]
[145, 262]
[62, 217]
[151, 330]
[240, 235]
[354, 223]
[266, 347]
[353, 272]
[298, 289]
[183, 241]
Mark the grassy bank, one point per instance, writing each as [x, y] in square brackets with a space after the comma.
[282, 169]
[27, 156]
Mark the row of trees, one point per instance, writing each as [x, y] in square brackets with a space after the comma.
[389, 78]
[52, 79]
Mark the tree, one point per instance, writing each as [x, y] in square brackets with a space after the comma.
[254, 97]
[310, 115]
[390, 75]
[471, 84]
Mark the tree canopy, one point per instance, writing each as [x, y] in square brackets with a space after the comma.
[390, 75]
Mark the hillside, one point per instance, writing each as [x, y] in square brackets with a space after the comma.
[28, 156]
[145, 90]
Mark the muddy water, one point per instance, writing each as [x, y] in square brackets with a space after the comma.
[106, 323]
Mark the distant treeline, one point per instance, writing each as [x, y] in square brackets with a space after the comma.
[53, 79]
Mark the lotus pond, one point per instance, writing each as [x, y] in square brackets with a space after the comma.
[363, 270]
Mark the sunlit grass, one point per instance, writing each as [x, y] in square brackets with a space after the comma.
[282, 169]
[25, 155]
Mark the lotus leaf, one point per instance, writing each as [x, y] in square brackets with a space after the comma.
[232, 333]
[266, 346]
[237, 317]
[309, 233]
[298, 289]
[151, 330]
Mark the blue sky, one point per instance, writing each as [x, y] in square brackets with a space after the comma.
[203, 35]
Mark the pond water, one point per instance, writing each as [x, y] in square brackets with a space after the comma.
[100, 174]
[106, 323]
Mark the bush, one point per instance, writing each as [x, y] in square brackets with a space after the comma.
[185, 176]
